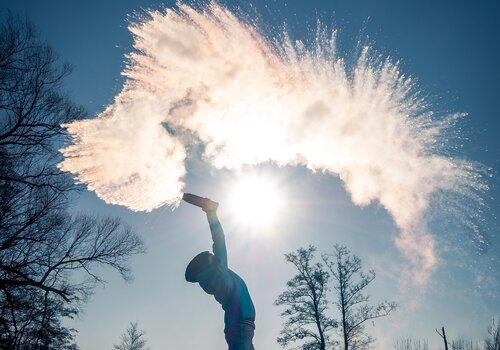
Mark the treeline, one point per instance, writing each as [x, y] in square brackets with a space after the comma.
[337, 282]
[326, 307]
[490, 342]
[48, 256]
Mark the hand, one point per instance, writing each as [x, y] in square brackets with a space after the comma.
[209, 205]
[206, 204]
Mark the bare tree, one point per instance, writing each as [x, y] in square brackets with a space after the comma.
[462, 344]
[492, 341]
[410, 344]
[442, 334]
[68, 244]
[349, 283]
[306, 303]
[32, 320]
[132, 339]
[41, 244]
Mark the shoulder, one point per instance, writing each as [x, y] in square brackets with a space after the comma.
[238, 281]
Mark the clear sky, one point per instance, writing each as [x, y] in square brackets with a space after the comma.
[451, 47]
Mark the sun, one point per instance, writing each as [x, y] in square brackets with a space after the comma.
[255, 202]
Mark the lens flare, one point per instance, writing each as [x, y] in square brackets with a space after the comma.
[255, 202]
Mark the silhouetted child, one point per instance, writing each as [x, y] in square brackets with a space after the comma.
[211, 272]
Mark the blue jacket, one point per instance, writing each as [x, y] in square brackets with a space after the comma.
[235, 298]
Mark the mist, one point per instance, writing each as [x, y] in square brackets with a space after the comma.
[206, 77]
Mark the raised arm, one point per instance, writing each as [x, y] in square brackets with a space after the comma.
[219, 245]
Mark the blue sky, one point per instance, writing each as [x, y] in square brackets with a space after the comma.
[451, 47]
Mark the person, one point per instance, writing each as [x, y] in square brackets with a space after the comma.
[211, 272]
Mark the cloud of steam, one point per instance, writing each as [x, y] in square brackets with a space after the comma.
[205, 76]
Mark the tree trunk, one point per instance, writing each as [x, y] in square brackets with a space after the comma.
[346, 343]
[318, 322]
[344, 323]
[343, 307]
[444, 339]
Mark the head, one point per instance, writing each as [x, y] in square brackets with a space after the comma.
[205, 271]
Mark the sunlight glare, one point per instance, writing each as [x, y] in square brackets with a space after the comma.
[255, 202]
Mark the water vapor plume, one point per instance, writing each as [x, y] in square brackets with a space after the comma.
[206, 76]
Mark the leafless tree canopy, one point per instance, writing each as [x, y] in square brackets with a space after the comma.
[306, 303]
[41, 244]
[31, 103]
[462, 344]
[349, 283]
[306, 300]
[410, 344]
[132, 339]
[492, 341]
[32, 320]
